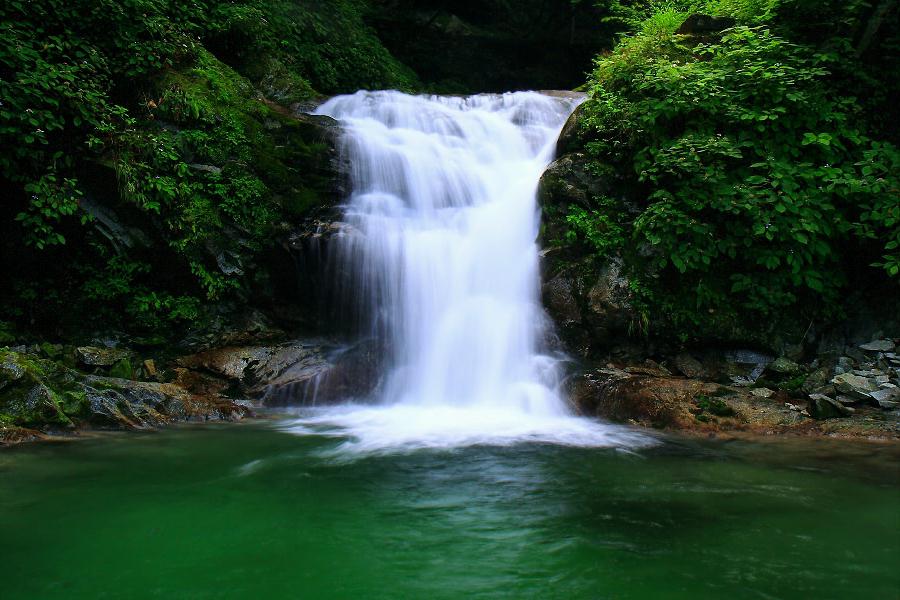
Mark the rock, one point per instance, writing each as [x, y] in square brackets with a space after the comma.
[111, 226]
[844, 365]
[568, 137]
[854, 385]
[40, 393]
[887, 398]
[122, 370]
[816, 380]
[92, 356]
[689, 366]
[878, 346]
[560, 301]
[253, 365]
[590, 312]
[10, 370]
[823, 407]
[649, 367]
[843, 399]
[294, 373]
[206, 168]
[150, 368]
[762, 392]
[756, 362]
[783, 366]
[698, 24]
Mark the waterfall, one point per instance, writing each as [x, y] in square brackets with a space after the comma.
[442, 268]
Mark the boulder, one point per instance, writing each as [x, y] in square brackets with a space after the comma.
[293, 373]
[92, 356]
[886, 398]
[39, 393]
[568, 138]
[854, 385]
[689, 366]
[762, 392]
[823, 407]
[878, 346]
[783, 366]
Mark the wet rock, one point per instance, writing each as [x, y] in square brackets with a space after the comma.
[568, 137]
[92, 356]
[590, 311]
[878, 346]
[294, 373]
[560, 300]
[352, 372]
[823, 407]
[252, 366]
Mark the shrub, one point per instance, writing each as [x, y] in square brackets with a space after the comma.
[760, 192]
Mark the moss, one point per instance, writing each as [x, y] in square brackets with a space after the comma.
[794, 384]
[36, 391]
[122, 370]
[714, 406]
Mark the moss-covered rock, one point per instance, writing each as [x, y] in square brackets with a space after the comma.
[40, 394]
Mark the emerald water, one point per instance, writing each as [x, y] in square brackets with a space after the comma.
[254, 511]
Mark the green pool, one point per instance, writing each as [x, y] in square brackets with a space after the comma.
[253, 511]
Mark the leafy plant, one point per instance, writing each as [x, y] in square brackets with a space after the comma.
[750, 185]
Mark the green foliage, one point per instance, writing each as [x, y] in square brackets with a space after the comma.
[159, 116]
[760, 189]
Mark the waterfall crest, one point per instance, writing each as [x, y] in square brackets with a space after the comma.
[442, 266]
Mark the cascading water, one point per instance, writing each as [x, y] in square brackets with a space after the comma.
[443, 266]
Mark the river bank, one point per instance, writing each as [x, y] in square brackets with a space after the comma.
[851, 396]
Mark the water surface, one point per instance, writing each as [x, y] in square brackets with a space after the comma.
[254, 511]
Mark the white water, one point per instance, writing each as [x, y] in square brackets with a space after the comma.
[443, 268]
